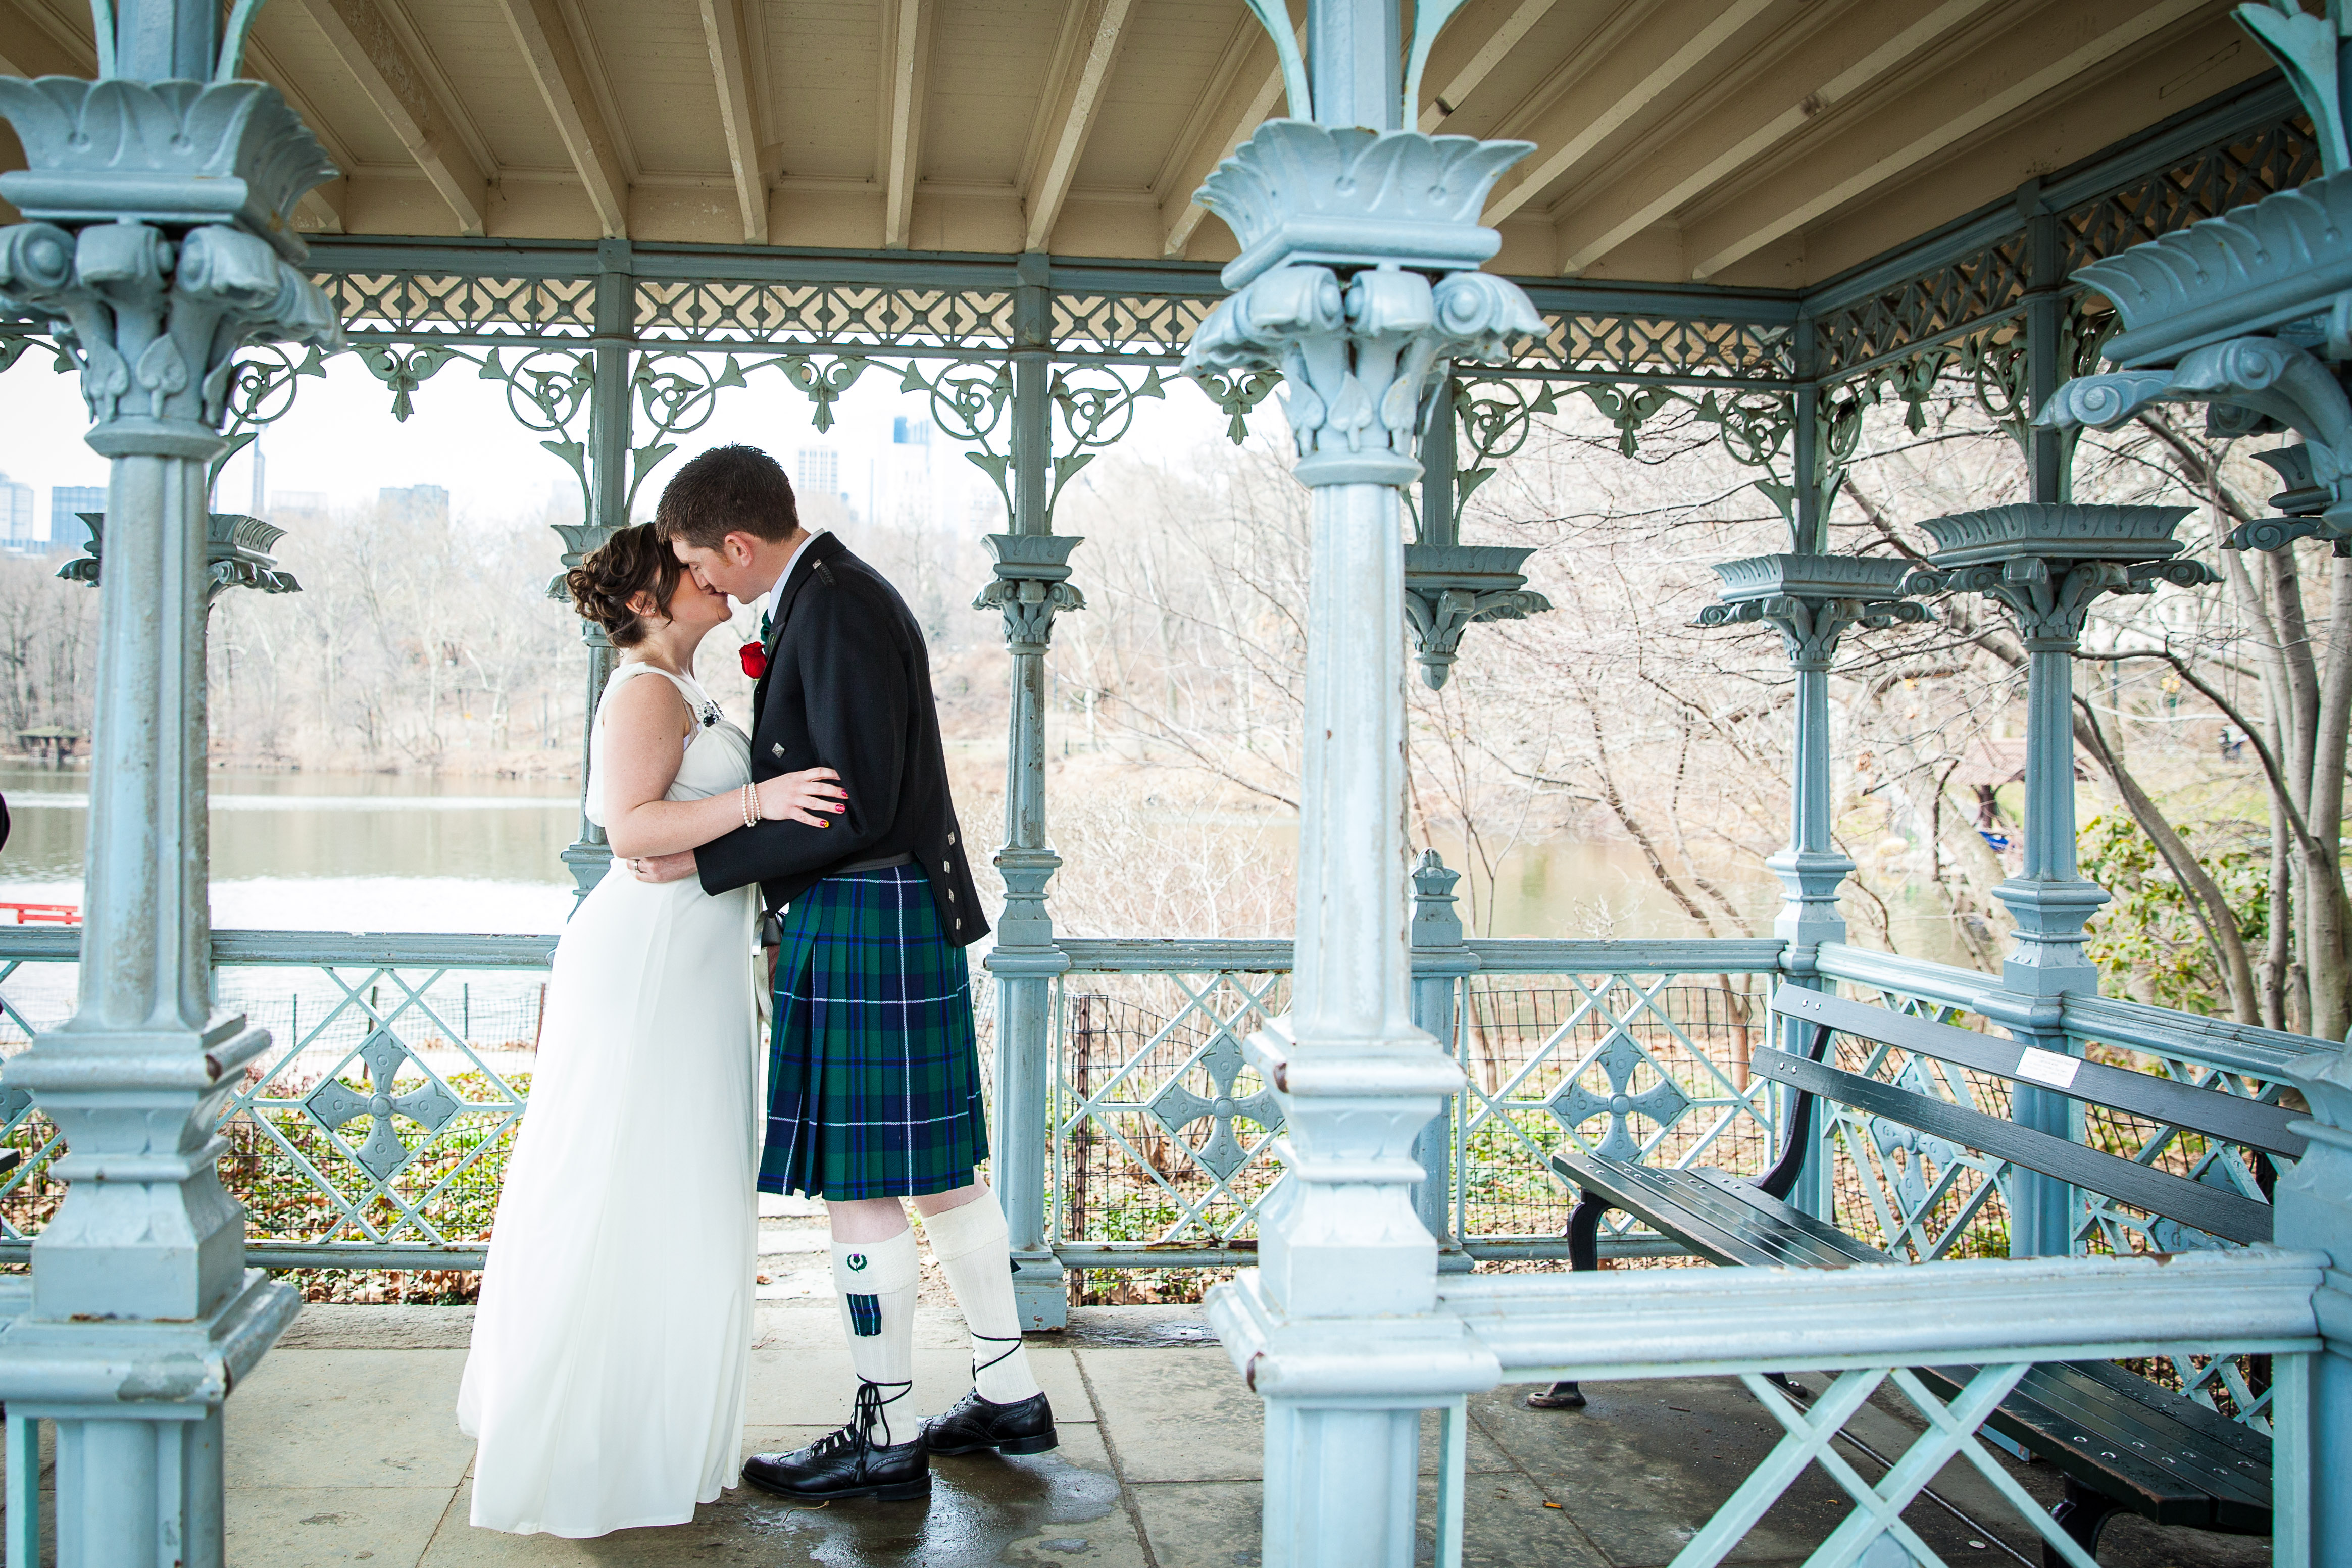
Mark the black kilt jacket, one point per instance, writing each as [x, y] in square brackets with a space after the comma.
[849, 687]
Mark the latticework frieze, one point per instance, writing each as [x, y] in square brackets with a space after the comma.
[1923, 309]
[1127, 326]
[2276, 158]
[416, 303]
[825, 315]
[1646, 347]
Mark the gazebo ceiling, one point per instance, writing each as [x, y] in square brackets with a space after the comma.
[1754, 143]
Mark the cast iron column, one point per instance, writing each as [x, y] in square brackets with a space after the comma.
[1357, 280]
[608, 512]
[1030, 586]
[2047, 564]
[141, 1313]
[1810, 600]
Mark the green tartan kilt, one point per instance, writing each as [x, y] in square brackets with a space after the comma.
[873, 1083]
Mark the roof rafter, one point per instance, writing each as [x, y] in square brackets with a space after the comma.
[1656, 55]
[1211, 140]
[1947, 106]
[1447, 100]
[1847, 57]
[1092, 36]
[723, 29]
[390, 77]
[27, 48]
[554, 61]
[906, 71]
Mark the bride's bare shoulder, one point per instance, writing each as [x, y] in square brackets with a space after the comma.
[644, 704]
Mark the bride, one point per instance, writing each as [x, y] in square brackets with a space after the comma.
[606, 1386]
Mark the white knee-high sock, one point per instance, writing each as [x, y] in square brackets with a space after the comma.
[875, 1281]
[973, 1248]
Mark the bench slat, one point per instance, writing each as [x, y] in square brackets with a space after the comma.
[1784, 1214]
[1713, 1225]
[2072, 1415]
[2230, 1117]
[2126, 1181]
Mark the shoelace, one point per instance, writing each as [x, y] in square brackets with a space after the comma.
[979, 1366]
[863, 1416]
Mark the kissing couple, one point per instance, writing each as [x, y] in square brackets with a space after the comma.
[818, 861]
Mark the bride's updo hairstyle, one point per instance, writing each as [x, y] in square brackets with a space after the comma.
[634, 560]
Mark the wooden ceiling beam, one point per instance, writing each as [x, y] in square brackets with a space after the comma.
[905, 72]
[723, 29]
[1656, 58]
[1093, 33]
[30, 49]
[1848, 55]
[554, 61]
[372, 51]
[2011, 69]
[1511, 24]
[1216, 129]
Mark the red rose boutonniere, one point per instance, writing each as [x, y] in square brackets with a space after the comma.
[755, 659]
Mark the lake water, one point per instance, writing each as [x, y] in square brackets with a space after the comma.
[387, 853]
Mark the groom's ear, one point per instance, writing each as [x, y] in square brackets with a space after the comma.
[739, 548]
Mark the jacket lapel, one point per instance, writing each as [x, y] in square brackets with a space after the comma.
[781, 610]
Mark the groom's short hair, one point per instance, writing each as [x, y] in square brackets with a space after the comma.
[728, 490]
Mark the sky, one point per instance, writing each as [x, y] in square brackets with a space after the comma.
[341, 440]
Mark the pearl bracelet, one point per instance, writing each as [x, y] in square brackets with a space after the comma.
[751, 806]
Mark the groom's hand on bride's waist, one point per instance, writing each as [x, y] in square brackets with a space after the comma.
[662, 868]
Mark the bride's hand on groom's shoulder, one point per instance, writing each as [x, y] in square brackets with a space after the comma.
[812, 795]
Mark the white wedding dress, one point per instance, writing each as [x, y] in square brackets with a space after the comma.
[605, 1387]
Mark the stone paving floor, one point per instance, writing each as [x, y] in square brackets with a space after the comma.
[343, 1449]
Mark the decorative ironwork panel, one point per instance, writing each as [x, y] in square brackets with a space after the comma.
[1160, 1127]
[2277, 158]
[1127, 326]
[1923, 310]
[856, 317]
[1650, 1067]
[1648, 347]
[414, 304]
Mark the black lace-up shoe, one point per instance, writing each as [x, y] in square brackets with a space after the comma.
[1024, 1426]
[847, 1463]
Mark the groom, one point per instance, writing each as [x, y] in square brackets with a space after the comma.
[874, 1075]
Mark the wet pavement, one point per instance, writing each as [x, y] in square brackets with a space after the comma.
[343, 1449]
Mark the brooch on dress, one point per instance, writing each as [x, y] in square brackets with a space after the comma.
[709, 714]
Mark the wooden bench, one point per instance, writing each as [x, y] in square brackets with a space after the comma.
[2121, 1442]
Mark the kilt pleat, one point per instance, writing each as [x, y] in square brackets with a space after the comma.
[873, 1083]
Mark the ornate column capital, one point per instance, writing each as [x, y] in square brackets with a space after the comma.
[1449, 587]
[159, 237]
[1812, 600]
[1339, 229]
[2048, 563]
[1030, 587]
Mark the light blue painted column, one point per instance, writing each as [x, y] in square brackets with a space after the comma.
[165, 249]
[1811, 600]
[1030, 587]
[1440, 963]
[2047, 564]
[1356, 280]
[2315, 1211]
[589, 856]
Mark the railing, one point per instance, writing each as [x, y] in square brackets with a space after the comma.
[1871, 1324]
[1157, 1129]
[1160, 1131]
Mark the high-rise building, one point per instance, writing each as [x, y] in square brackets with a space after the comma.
[299, 506]
[16, 535]
[415, 503]
[66, 503]
[818, 472]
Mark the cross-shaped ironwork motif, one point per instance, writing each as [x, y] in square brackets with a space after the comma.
[1176, 1108]
[1618, 1058]
[335, 1103]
